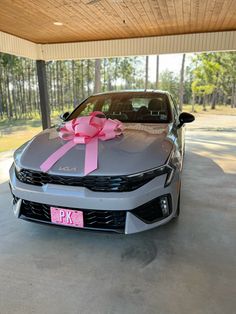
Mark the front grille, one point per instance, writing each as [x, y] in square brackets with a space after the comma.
[94, 183]
[111, 220]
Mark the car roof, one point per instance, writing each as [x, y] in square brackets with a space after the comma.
[133, 91]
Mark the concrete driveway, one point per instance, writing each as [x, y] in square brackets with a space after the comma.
[187, 266]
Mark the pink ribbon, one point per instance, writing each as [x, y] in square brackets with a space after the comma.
[85, 130]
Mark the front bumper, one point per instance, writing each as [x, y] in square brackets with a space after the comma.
[82, 198]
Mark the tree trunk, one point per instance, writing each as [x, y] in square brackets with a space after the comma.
[213, 103]
[146, 72]
[88, 77]
[1, 106]
[82, 78]
[193, 103]
[97, 83]
[14, 95]
[74, 89]
[109, 84]
[1, 94]
[157, 72]
[49, 68]
[104, 75]
[61, 86]
[116, 72]
[181, 84]
[55, 84]
[233, 97]
[29, 86]
[225, 100]
[58, 89]
[204, 102]
[10, 114]
[23, 93]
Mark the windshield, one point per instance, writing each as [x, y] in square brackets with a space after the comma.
[145, 107]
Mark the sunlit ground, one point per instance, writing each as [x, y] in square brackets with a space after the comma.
[214, 137]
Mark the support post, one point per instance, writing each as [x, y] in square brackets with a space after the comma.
[43, 94]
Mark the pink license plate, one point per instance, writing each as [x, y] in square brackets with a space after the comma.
[67, 217]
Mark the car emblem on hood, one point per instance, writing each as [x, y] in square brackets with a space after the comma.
[69, 169]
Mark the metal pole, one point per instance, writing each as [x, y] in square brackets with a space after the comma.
[43, 93]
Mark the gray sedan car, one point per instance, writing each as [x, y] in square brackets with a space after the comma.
[137, 183]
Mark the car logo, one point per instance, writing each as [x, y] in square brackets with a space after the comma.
[68, 169]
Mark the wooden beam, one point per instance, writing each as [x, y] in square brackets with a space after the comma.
[187, 43]
[43, 93]
[19, 47]
[199, 42]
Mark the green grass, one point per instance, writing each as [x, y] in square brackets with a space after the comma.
[15, 133]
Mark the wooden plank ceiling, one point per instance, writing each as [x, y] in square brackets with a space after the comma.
[86, 20]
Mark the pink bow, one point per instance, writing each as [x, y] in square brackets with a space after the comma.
[85, 130]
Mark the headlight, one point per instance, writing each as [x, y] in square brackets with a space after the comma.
[17, 162]
[17, 156]
[175, 159]
[174, 162]
[17, 168]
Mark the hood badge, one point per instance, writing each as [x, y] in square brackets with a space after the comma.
[69, 169]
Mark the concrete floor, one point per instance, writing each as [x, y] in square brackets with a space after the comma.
[187, 266]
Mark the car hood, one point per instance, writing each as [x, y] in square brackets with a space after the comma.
[141, 147]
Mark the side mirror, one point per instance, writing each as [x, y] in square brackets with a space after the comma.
[185, 117]
[64, 116]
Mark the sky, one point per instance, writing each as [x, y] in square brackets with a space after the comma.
[171, 62]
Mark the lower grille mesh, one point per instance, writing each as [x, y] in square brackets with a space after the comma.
[92, 218]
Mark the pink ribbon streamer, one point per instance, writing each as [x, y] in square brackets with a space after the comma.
[85, 130]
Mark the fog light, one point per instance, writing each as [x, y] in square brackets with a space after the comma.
[164, 204]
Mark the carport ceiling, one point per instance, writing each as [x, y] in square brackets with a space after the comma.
[89, 20]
